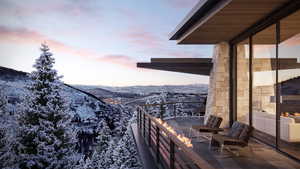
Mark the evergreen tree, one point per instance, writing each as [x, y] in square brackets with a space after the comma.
[103, 140]
[5, 152]
[125, 155]
[107, 156]
[104, 136]
[3, 103]
[45, 139]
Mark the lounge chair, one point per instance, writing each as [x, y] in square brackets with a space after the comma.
[212, 125]
[238, 136]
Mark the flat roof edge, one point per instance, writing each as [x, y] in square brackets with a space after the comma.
[199, 11]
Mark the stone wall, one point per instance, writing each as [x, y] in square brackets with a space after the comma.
[218, 91]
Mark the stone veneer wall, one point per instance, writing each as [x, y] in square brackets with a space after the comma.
[218, 91]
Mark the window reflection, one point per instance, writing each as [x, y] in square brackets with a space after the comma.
[289, 84]
[264, 82]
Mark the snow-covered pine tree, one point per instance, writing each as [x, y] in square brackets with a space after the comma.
[103, 140]
[104, 136]
[5, 153]
[122, 122]
[107, 156]
[125, 155]
[45, 139]
[85, 164]
[3, 103]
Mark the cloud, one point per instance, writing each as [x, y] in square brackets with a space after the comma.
[182, 3]
[141, 37]
[32, 8]
[119, 59]
[25, 36]
[183, 54]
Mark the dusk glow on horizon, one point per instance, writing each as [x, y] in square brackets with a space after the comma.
[98, 42]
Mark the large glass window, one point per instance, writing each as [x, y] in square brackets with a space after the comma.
[289, 84]
[243, 81]
[264, 82]
[274, 84]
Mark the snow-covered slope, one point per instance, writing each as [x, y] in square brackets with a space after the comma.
[82, 103]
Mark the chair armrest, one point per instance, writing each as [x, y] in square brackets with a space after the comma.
[214, 129]
[226, 140]
[197, 127]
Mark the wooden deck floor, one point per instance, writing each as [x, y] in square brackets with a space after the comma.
[263, 157]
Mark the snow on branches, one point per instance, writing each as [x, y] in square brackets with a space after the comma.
[44, 138]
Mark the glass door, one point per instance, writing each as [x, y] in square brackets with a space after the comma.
[264, 84]
[289, 85]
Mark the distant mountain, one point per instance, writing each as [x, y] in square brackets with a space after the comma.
[7, 74]
[104, 93]
[146, 90]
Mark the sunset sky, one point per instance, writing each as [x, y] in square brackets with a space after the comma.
[97, 42]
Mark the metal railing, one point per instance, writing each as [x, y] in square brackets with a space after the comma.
[162, 107]
[167, 149]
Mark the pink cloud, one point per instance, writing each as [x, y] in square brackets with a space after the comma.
[183, 54]
[119, 59]
[143, 38]
[130, 14]
[182, 3]
[25, 36]
[55, 6]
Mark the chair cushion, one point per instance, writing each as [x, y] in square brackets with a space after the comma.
[236, 130]
[209, 121]
[213, 121]
[245, 134]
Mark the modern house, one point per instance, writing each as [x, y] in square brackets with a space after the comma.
[254, 78]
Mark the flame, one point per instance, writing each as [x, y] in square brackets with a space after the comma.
[180, 137]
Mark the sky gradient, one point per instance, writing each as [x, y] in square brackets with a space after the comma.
[98, 42]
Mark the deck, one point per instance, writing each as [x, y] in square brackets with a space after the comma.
[170, 153]
[263, 157]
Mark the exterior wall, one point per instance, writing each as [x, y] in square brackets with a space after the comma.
[218, 91]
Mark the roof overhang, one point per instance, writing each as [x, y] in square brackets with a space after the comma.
[215, 21]
[198, 66]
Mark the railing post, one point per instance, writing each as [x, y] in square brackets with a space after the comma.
[174, 107]
[149, 132]
[144, 129]
[157, 144]
[162, 111]
[172, 155]
[138, 117]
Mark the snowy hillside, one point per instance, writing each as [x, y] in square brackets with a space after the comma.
[41, 109]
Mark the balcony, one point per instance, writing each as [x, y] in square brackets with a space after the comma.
[172, 144]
